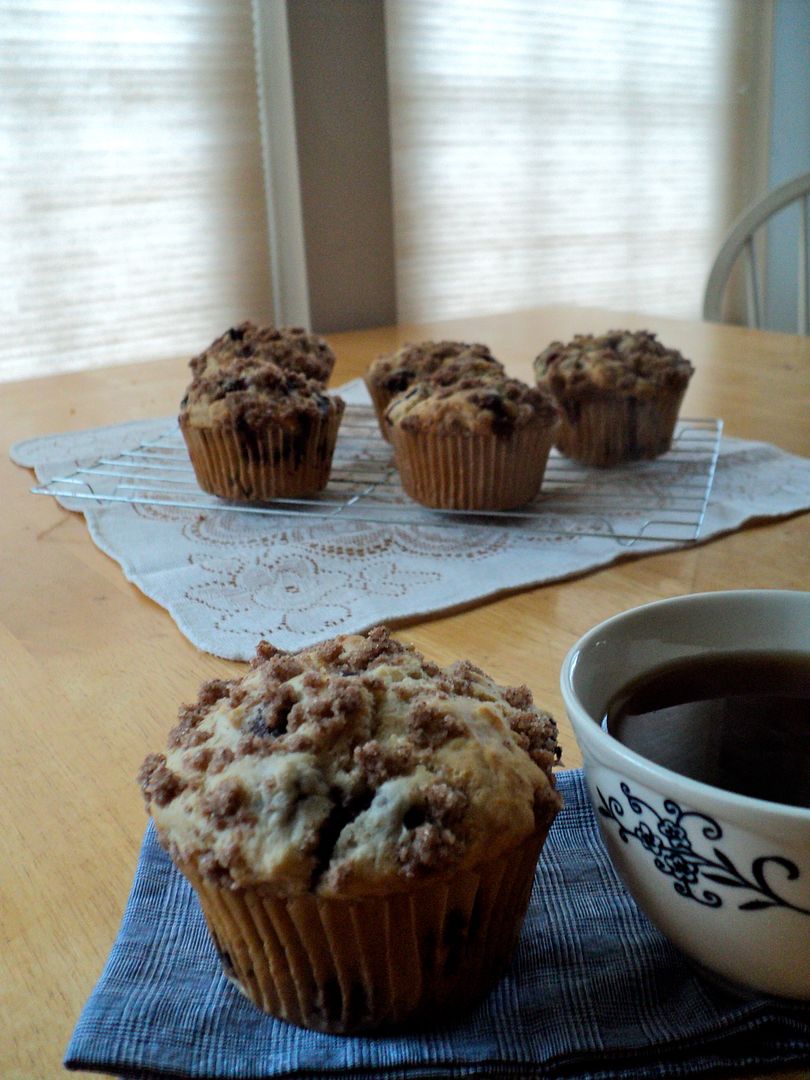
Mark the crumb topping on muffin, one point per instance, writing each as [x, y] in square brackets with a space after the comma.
[253, 377]
[474, 404]
[290, 347]
[251, 394]
[350, 768]
[621, 362]
[395, 372]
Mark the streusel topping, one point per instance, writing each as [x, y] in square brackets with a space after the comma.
[476, 403]
[351, 767]
[251, 394]
[397, 371]
[622, 362]
[290, 347]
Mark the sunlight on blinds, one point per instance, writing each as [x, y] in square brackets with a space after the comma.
[133, 211]
[580, 153]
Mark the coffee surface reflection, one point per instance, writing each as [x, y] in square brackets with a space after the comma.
[740, 722]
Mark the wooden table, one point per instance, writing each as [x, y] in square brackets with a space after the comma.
[93, 672]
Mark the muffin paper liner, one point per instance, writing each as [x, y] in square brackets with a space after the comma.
[606, 431]
[469, 472]
[380, 399]
[263, 464]
[352, 965]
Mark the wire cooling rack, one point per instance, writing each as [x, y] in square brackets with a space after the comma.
[663, 500]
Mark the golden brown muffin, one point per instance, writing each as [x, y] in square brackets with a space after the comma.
[361, 828]
[619, 395]
[393, 373]
[256, 430]
[478, 443]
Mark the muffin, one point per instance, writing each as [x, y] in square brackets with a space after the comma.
[257, 429]
[361, 828]
[291, 348]
[478, 443]
[391, 374]
[619, 395]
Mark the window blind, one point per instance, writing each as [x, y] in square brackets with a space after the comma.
[133, 212]
[589, 153]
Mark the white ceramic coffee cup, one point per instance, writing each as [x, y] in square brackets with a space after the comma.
[726, 877]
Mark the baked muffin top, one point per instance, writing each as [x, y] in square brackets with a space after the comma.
[475, 404]
[396, 371]
[353, 768]
[251, 394]
[290, 347]
[622, 362]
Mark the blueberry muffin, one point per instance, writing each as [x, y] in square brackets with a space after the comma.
[480, 442]
[393, 373]
[257, 428]
[619, 395]
[361, 827]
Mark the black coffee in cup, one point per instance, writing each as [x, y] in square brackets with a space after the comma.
[739, 721]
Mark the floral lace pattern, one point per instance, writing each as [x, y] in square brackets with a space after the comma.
[228, 579]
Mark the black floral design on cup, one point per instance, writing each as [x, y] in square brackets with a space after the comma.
[665, 836]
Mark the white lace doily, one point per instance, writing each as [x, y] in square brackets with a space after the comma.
[229, 579]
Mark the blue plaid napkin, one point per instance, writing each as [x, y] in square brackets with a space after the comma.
[594, 992]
